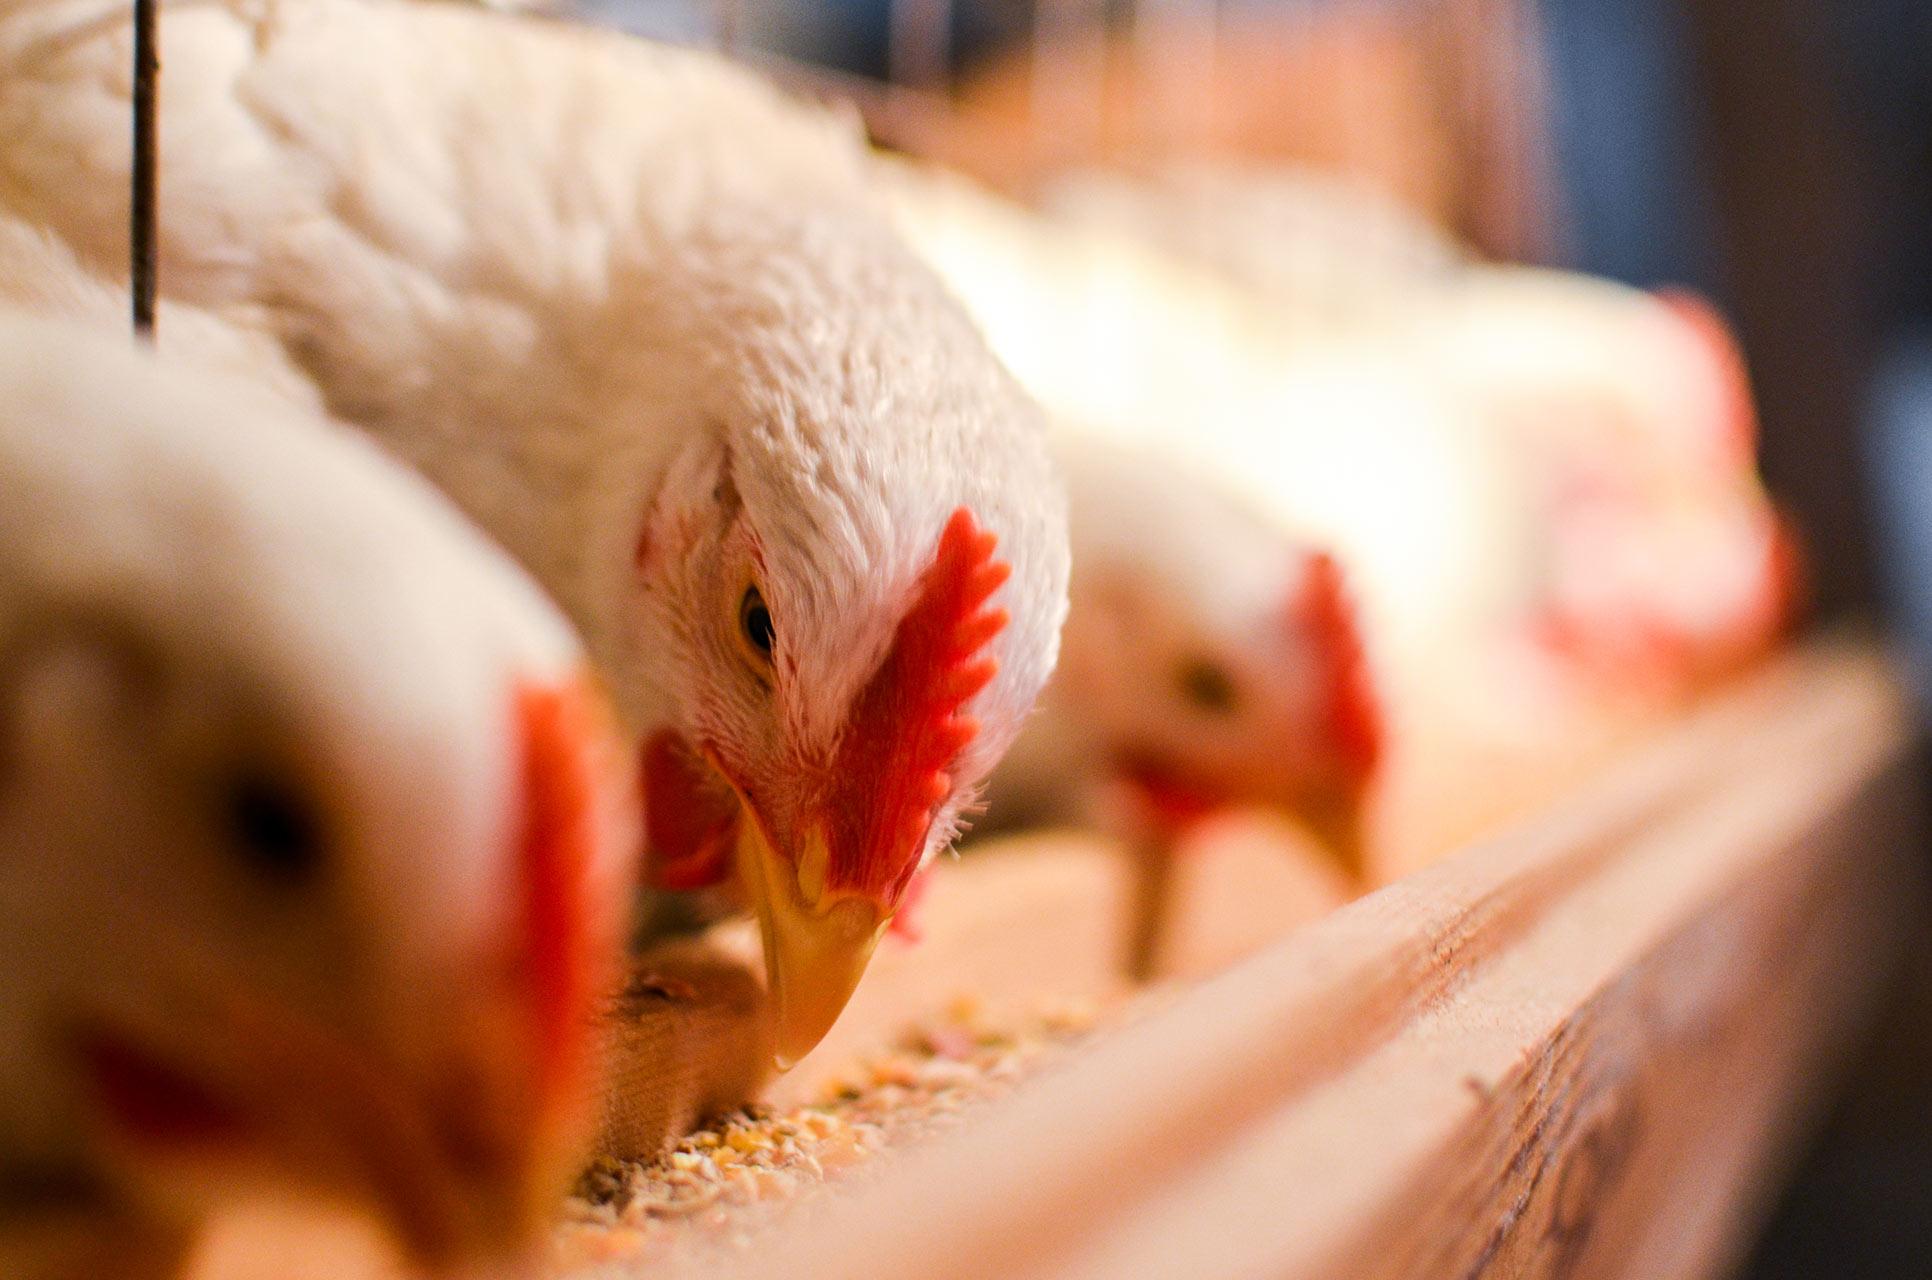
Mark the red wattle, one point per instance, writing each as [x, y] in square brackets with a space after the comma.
[1171, 802]
[905, 921]
[1352, 712]
[557, 847]
[152, 1102]
[690, 820]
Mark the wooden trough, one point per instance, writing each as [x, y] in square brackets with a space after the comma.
[1576, 1049]
[1580, 1048]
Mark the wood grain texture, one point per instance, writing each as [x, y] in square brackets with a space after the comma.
[1574, 1050]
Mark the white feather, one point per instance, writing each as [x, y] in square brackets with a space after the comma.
[553, 269]
[197, 579]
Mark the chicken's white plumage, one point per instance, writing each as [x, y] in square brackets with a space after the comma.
[1352, 442]
[1498, 456]
[1627, 414]
[1325, 252]
[1211, 660]
[637, 313]
[1634, 414]
[309, 835]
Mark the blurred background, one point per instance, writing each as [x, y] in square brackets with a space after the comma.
[1774, 154]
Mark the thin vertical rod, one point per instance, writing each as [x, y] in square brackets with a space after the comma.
[142, 238]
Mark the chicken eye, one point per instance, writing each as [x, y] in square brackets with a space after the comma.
[1206, 684]
[754, 623]
[271, 829]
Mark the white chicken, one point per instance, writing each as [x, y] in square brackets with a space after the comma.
[1504, 458]
[637, 314]
[1630, 413]
[1668, 563]
[1210, 660]
[311, 831]
[1540, 562]
[1323, 251]
[1353, 443]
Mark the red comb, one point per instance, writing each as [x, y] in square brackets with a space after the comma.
[1738, 420]
[1351, 711]
[558, 839]
[890, 772]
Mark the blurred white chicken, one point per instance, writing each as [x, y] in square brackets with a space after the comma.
[636, 312]
[1350, 444]
[1544, 550]
[1503, 458]
[311, 832]
[1630, 413]
[1319, 249]
[1210, 660]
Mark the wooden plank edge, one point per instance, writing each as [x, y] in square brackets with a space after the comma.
[1192, 1080]
[1489, 1136]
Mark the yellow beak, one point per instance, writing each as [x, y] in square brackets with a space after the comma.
[817, 944]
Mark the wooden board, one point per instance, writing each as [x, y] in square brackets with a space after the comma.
[1578, 1049]
[1575, 1050]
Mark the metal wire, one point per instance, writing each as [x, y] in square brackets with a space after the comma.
[143, 237]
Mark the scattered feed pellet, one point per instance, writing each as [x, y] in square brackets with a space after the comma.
[708, 1191]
